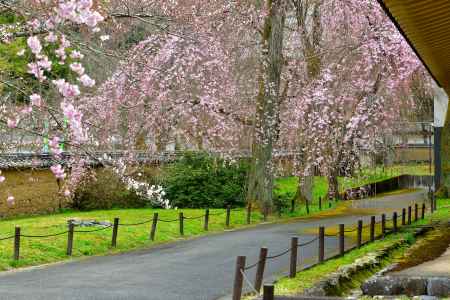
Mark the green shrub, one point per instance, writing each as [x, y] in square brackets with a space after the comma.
[282, 201]
[105, 192]
[199, 181]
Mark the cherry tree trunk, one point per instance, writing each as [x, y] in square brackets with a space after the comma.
[333, 185]
[304, 189]
[260, 180]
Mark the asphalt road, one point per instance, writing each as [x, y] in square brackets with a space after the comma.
[200, 268]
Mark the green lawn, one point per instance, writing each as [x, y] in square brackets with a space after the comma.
[44, 250]
[288, 185]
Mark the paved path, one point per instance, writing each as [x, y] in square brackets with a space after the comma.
[197, 269]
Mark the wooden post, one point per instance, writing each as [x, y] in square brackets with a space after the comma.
[292, 205]
[205, 227]
[383, 225]
[181, 219]
[16, 243]
[238, 278]
[307, 206]
[423, 211]
[260, 269]
[403, 216]
[293, 262]
[431, 202]
[359, 234]
[416, 212]
[394, 222]
[409, 215]
[227, 220]
[70, 239]
[341, 239]
[321, 244]
[249, 213]
[372, 228]
[114, 233]
[268, 292]
[154, 224]
[320, 203]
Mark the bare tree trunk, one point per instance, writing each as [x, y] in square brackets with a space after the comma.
[260, 182]
[333, 185]
[304, 193]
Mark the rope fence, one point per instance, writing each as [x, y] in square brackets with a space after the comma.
[18, 235]
[260, 264]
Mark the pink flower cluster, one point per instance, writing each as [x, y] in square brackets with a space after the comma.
[36, 100]
[54, 146]
[79, 12]
[66, 89]
[58, 171]
[75, 120]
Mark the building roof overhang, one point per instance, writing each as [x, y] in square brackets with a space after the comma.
[426, 26]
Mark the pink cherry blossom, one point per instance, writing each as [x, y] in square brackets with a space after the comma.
[34, 69]
[77, 68]
[76, 55]
[66, 89]
[54, 146]
[11, 123]
[34, 44]
[87, 81]
[51, 37]
[44, 63]
[58, 171]
[36, 100]
[10, 200]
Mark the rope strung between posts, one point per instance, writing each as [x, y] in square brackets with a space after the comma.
[7, 238]
[350, 230]
[252, 266]
[282, 253]
[168, 221]
[136, 224]
[44, 236]
[279, 255]
[217, 214]
[307, 243]
[194, 218]
[331, 235]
